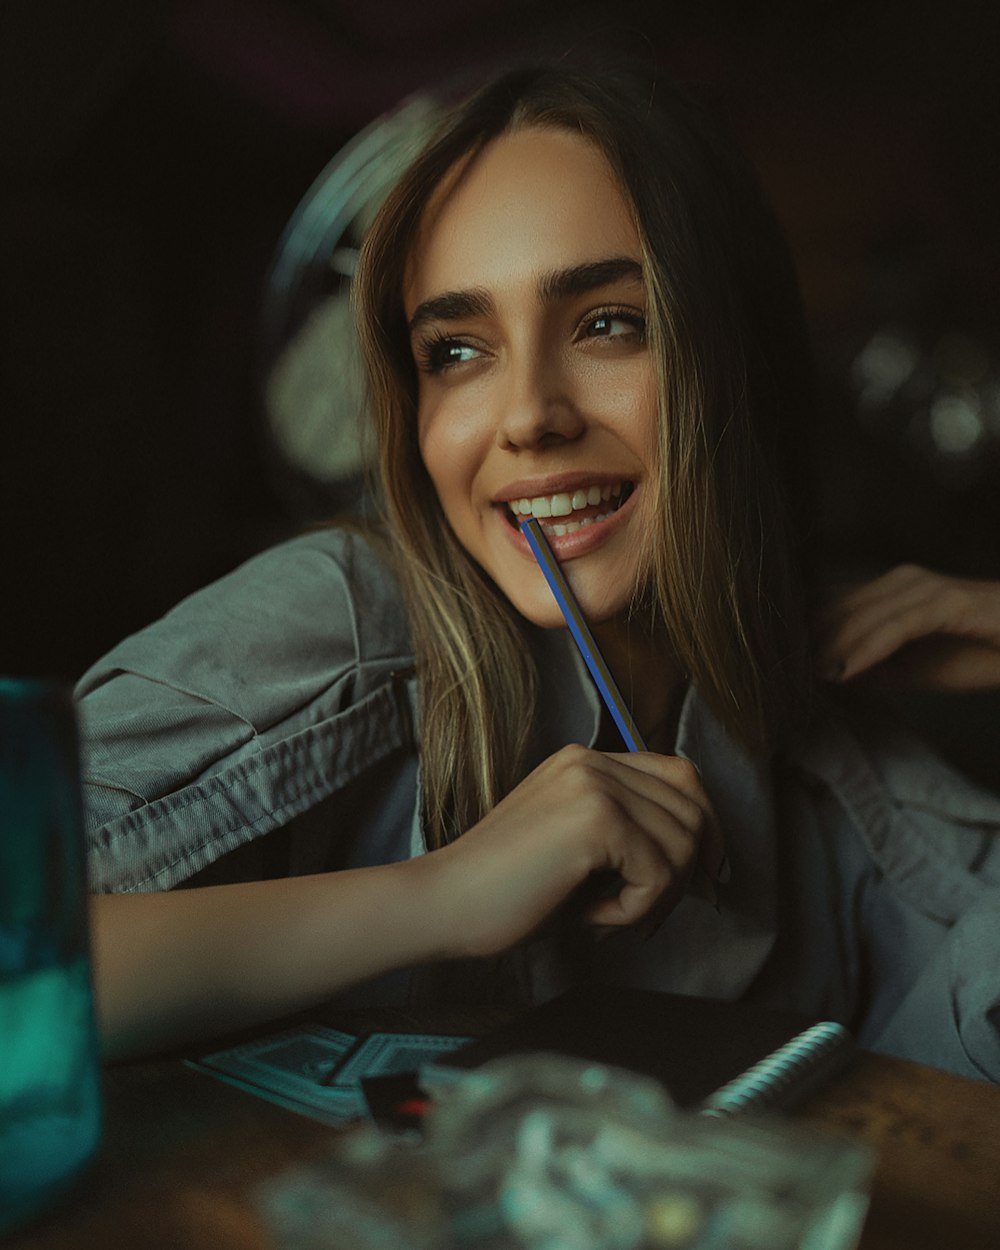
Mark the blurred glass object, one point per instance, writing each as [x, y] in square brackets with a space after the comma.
[50, 1093]
[541, 1152]
[311, 375]
[315, 397]
[372, 1195]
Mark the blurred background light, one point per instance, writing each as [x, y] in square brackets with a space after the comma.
[956, 424]
[886, 361]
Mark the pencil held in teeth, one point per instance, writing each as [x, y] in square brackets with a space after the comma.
[700, 883]
[582, 636]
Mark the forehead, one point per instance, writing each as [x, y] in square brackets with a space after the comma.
[532, 201]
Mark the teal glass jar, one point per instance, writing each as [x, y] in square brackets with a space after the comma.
[50, 1079]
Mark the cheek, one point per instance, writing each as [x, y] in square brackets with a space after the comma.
[429, 438]
[450, 443]
[624, 391]
[435, 451]
[447, 473]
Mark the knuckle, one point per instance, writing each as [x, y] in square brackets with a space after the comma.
[956, 602]
[698, 825]
[569, 766]
[685, 772]
[574, 751]
[689, 836]
[572, 757]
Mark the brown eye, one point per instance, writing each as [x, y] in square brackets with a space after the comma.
[441, 354]
[614, 325]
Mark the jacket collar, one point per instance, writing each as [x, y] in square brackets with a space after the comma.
[698, 950]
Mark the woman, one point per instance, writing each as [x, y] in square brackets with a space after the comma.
[374, 756]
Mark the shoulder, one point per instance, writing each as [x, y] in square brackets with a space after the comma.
[304, 610]
[931, 830]
[334, 581]
[327, 580]
[249, 703]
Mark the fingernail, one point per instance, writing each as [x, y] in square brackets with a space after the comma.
[724, 871]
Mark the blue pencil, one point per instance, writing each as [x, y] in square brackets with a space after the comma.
[584, 639]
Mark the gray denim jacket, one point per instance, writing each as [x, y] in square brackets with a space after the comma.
[267, 725]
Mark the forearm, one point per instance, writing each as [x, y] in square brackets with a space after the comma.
[173, 966]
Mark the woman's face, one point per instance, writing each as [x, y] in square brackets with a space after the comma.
[526, 304]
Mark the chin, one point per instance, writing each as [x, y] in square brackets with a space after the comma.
[542, 610]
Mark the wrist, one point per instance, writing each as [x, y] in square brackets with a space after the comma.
[434, 894]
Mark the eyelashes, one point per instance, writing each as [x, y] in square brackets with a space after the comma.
[598, 324]
[436, 352]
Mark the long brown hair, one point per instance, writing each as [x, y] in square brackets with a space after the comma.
[734, 382]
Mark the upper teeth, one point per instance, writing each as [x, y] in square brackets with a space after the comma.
[564, 505]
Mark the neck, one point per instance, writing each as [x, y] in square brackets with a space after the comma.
[646, 671]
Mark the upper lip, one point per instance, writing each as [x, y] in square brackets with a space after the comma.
[557, 484]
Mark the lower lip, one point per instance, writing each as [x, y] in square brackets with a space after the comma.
[581, 542]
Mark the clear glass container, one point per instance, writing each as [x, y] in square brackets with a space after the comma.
[50, 1091]
[542, 1152]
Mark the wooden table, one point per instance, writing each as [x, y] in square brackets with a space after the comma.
[937, 1184]
[183, 1153]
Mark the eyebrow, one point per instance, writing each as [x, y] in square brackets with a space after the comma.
[558, 285]
[579, 279]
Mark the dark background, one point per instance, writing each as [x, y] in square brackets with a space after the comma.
[150, 156]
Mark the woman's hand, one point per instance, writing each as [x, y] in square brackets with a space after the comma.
[643, 816]
[912, 627]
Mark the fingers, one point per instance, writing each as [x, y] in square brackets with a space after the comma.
[869, 623]
[644, 819]
[649, 880]
[678, 786]
[666, 828]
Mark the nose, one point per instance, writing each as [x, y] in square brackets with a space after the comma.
[537, 405]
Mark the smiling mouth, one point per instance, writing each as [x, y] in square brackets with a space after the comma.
[566, 513]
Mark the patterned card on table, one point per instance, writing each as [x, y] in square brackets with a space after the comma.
[387, 1054]
[317, 1071]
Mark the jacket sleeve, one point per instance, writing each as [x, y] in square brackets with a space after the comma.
[933, 838]
[247, 704]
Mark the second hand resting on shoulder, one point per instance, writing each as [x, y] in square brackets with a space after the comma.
[280, 946]
[913, 627]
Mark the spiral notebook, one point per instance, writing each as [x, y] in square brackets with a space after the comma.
[717, 1057]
